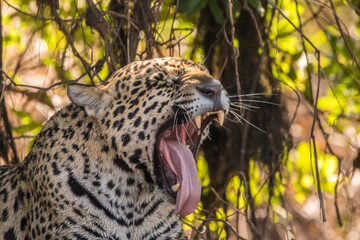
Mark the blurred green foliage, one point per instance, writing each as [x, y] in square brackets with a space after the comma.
[293, 64]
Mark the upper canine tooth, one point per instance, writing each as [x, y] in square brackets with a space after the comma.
[198, 121]
[220, 115]
[175, 187]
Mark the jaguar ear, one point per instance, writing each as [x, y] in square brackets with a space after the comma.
[88, 96]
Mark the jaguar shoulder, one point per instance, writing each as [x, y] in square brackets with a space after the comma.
[117, 163]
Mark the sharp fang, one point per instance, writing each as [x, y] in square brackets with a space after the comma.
[175, 187]
[198, 121]
[220, 115]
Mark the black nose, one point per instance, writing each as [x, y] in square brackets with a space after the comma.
[211, 90]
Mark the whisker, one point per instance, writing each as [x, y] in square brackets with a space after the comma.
[176, 132]
[234, 120]
[245, 106]
[225, 128]
[187, 115]
[189, 120]
[233, 113]
[187, 133]
[187, 111]
[174, 123]
[230, 86]
[207, 134]
[236, 108]
[246, 98]
[238, 116]
[252, 94]
[259, 101]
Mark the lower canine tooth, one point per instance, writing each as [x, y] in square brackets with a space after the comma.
[175, 187]
[198, 121]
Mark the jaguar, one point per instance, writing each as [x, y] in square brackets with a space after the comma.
[118, 162]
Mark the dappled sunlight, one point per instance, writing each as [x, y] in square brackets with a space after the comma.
[257, 172]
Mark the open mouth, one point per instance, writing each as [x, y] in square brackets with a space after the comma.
[176, 148]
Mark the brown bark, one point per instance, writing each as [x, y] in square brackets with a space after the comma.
[6, 139]
[229, 151]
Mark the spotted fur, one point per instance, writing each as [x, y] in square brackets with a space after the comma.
[91, 172]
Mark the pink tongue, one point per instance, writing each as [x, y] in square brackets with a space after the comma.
[182, 163]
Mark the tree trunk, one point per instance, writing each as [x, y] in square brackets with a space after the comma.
[229, 151]
[6, 138]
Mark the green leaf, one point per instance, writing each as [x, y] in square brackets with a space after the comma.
[27, 128]
[296, 56]
[292, 73]
[191, 7]
[216, 11]
[28, 124]
[255, 4]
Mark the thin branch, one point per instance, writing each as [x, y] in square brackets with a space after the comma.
[357, 11]
[7, 124]
[236, 209]
[8, 130]
[31, 95]
[123, 17]
[69, 38]
[218, 35]
[195, 229]
[251, 12]
[21, 137]
[224, 222]
[312, 136]
[180, 39]
[42, 18]
[343, 35]
[333, 153]
[172, 34]
[248, 202]
[336, 194]
[97, 68]
[297, 96]
[236, 54]
[304, 48]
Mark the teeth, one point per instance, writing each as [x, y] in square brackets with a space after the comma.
[198, 121]
[220, 115]
[175, 187]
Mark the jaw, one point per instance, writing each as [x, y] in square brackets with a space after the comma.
[175, 151]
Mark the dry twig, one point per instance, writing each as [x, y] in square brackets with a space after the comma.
[343, 35]
[312, 136]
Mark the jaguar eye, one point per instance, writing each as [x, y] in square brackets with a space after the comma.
[175, 81]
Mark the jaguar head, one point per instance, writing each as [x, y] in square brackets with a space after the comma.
[158, 108]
